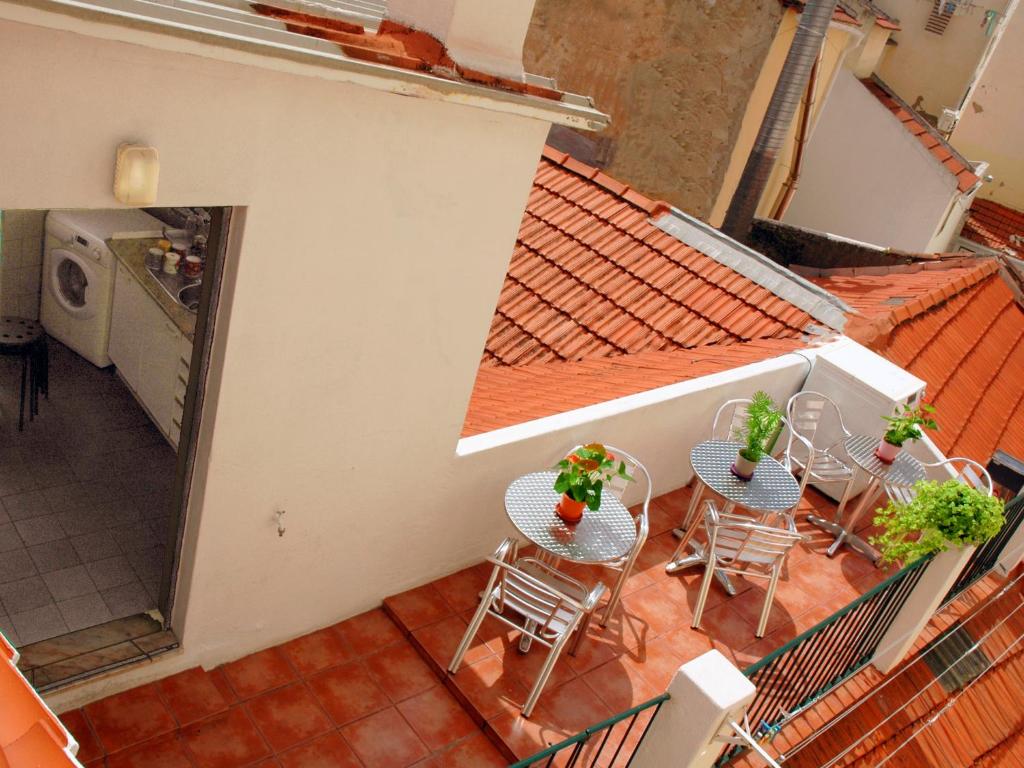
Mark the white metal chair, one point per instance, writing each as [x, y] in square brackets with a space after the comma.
[550, 604]
[967, 471]
[812, 419]
[737, 544]
[730, 418]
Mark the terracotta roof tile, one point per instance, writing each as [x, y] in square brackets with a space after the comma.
[595, 289]
[920, 128]
[996, 226]
[961, 331]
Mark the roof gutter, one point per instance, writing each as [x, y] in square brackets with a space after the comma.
[232, 25]
[796, 71]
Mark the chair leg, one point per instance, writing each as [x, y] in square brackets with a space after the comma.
[543, 675]
[471, 630]
[705, 585]
[21, 403]
[768, 598]
[581, 632]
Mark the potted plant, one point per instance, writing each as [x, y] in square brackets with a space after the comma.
[941, 515]
[759, 433]
[902, 427]
[581, 477]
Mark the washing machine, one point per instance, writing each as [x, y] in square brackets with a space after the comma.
[78, 275]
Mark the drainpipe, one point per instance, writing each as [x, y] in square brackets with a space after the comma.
[789, 187]
[796, 71]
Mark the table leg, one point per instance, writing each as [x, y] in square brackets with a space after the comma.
[678, 562]
[845, 533]
[688, 520]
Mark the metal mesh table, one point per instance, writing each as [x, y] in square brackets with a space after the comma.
[602, 535]
[903, 472]
[772, 489]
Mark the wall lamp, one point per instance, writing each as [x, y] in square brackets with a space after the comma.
[136, 173]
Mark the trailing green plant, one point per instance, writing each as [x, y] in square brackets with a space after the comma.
[761, 430]
[907, 425]
[583, 473]
[939, 516]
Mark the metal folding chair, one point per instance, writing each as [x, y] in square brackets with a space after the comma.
[550, 606]
[736, 544]
[967, 471]
[810, 416]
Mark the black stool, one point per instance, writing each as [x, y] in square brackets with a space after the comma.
[27, 339]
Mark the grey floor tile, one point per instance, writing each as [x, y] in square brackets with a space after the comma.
[65, 498]
[39, 530]
[4, 517]
[68, 583]
[9, 538]
[147, 563]
[135, 537]
[95, 546]
[84, 611]
[111, 572]
[8, 630]
[24, 595]
[22, 506]
[16, 564]
[52, 474]
[54, 555]
[39, 624]
[81, 521]
[127, 599]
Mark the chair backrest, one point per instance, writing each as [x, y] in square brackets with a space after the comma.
[816, 418]
[730, 419]
[527, 595]
[736, 539]
[967, 471]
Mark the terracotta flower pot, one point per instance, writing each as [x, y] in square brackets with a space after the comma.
[570, 510]
[743, 467]
[886, 451]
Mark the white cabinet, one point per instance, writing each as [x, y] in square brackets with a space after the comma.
[146, 347]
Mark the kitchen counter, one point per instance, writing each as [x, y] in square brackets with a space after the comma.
[132, 254]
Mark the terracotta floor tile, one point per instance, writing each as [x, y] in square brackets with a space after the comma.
[89, 747]
[384, 740]
[461, 590]
[526, 666]
[437, 718]
[687, 643]
[327, 751]
[620, 684]
[369, 632]
[524, 737]
[165, 752]
[258, 672]
[654, 608]
[489, 688]
[287, 716]
[401, 672]
[573, 706]
[418, 607]
[220, 681]
[348, 692]
[317, 651]
[129, 718]
[441, 639]
[474, 752]
[191, 695]
[225, 741]
[725, 624]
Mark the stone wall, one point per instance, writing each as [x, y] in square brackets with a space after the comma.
[675, 77]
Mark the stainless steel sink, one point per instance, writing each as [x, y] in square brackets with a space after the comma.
[182, 290]
[188, 296]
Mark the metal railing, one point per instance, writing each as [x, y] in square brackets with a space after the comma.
[987, 555]
[595, 745]
[796, 675]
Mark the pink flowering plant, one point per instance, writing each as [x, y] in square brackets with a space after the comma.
[583, 473]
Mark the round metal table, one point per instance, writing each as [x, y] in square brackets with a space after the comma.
[903, 472]
[603, 535]
[772, 489]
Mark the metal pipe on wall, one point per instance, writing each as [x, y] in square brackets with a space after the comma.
[789, 90]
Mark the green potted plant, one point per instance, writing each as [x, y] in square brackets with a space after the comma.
[758, 434]
[902, 427]
[941, 515]
[581, 478]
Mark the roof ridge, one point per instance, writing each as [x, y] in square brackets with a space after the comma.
[603, 180]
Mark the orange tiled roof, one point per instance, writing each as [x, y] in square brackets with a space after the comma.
[993, 225]
[599, 303]
[961, 331]
[886, 23]
[841, 16]
[928, 136]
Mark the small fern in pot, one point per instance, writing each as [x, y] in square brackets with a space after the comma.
[941, 515]
[758, 434]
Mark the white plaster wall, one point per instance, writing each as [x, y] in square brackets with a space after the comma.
[375, 235]
[866, 177]
[992, 126]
